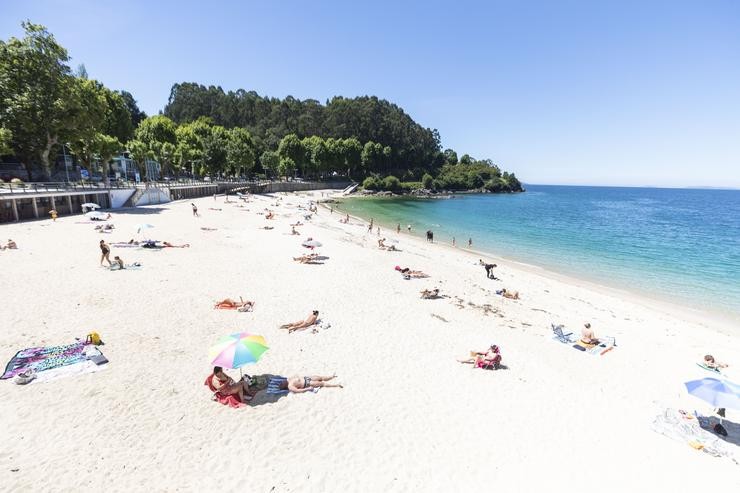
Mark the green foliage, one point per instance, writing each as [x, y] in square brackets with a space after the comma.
[391, 183]
[371, 183]
[427, 181]
[118, 122]
[156, 130]
[270, 161]
[240, 151]
[291, 147]
[6, 137]
[286, 167]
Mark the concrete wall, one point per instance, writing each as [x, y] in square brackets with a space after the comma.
[119, 197]
[297, 186]
[154, 196]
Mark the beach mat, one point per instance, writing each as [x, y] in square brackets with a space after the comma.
[607, 344]
[690, 429]
[128, 267]
[72, 370]
[40, 359]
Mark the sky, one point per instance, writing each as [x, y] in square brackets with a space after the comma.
[627, 93]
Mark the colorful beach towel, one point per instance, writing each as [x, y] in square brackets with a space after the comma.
[605, 345]
[44, 358]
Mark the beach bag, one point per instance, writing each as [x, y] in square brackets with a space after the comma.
[93, 338]
[25, 377]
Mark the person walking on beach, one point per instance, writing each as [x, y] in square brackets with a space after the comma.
[378, 230]
[489, 269]
[408, 228]
[453, 241]
[470, 242]
[53, 214]
[398, 228]
[430, 236]
[195, 210]
[105, 250]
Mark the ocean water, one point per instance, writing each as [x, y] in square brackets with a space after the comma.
[680, 245]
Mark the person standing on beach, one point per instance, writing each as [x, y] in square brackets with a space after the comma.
[470, 242]
[408, 228]
[489, 269]
[453, 241]
[105, 250]
[398, 228]
[195, 210]
[53, 214]
[378, 230]
[430, 236]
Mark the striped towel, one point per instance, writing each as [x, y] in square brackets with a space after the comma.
[273, 386]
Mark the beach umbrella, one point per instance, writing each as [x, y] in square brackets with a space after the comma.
[238, 349]
[311, 244]
[142, 227]
[90, 205]
[718, 393]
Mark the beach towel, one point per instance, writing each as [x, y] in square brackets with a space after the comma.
[688, 428]
[226, 400]
[605, 345]
[134, 266]
[40, 359]
[72, 370]
[273, 386]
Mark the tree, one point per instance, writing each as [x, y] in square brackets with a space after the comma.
[352, 151]
[292, 148]
[6, 137]
[41, 102]
[466, 159]
[286, 167]
[105, 147]
[450, 157]
[190, 138]
[166, 155]
[156, 130]
[427, 181]
[270, 161]
[118, 122]
[214, 150]
[240, 151]
[140, 152]
[136, 114]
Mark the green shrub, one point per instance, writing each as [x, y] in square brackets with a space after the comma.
[391, 183]
[427, 181]
[370, 183]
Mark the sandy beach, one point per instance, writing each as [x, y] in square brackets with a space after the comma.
[409, 418]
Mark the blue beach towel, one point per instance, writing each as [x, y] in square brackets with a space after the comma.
[273, 386]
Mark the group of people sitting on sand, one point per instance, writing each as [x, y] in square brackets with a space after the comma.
[229, 304]
[247, 387]
[383, 246]
[430, 294]
[11, 245]
[102, 228]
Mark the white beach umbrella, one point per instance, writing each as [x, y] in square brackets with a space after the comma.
[311, 244]
[90, 205]
[141, 227]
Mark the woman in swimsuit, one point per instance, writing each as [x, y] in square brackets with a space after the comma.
[225, 385]
[105, 250]
[479, 359]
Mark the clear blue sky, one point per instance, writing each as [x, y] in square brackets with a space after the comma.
[572, 92]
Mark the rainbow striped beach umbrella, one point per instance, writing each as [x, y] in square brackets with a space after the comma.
[238, 349]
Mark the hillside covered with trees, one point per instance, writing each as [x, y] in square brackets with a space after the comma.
[202, 130]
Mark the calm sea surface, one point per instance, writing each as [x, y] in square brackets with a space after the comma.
[676, 244]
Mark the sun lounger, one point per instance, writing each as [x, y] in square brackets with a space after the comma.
[559, 336]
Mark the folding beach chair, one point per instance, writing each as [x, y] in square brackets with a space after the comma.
[557, 330]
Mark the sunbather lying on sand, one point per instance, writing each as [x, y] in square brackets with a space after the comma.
[270, 215]
[167, 244]
[228, 303]
[587, 335]
[299, 385]
[508, 294]
[307, 259]
[267, 227]
[302, 324]
[293, 231]
[482, 359]
[430, 294]
[10, 245]
[408, 273]
[225, 385]
[711, 363]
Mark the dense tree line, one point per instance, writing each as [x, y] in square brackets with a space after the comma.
[206, 131]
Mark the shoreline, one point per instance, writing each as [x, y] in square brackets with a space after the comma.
[409, 413]
[723, 322]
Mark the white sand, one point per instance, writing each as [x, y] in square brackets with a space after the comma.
[410, 418]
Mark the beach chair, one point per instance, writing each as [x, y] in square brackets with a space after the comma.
[557, 331]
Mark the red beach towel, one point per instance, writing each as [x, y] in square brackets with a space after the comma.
[226, 400]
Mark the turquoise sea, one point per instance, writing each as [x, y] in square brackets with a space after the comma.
[680, 245]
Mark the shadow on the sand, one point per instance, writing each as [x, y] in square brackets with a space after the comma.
[139, 211]
[733, 429]
[262, 396]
